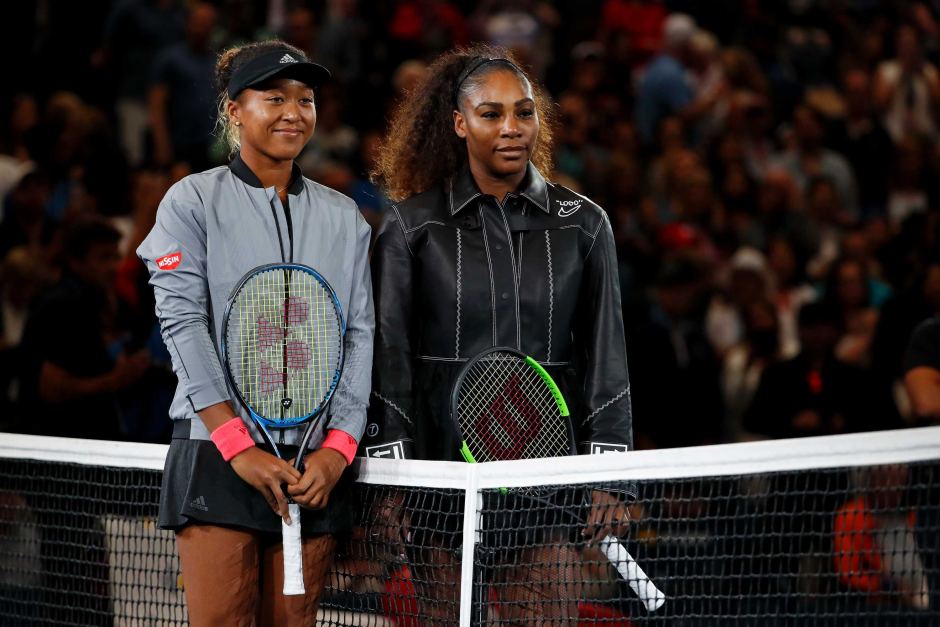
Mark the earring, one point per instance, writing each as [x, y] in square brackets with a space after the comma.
[238, 123]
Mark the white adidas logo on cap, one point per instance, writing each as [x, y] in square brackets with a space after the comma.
[288, 59]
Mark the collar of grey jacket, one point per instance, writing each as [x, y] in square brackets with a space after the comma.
[240, 169]
[463, 189]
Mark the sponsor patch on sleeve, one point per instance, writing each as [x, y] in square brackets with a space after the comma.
[170, 262]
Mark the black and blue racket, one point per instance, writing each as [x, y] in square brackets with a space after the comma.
[282, 347]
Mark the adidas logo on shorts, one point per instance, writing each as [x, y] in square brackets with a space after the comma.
[288, 59]
[199, 503]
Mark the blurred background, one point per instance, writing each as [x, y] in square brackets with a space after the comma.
[771, 171]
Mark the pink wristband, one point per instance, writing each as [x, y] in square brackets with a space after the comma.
[339, 440]
[232, 438]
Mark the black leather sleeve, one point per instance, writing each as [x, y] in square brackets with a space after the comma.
[390, 428]
[607, 418]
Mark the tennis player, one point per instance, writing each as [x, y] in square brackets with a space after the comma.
[479, 251]
[222, 490]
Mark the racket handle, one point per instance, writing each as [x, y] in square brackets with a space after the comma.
[620, 558]
[293, 555]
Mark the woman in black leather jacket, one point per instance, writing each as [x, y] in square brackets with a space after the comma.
[480, 251]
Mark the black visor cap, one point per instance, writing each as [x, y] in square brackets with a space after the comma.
[281, 63]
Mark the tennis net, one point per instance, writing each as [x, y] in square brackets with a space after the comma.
[819, 531]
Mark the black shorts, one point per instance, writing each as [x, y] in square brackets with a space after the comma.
[198, 485]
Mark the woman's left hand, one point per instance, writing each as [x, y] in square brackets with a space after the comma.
[609, 516]
[322, 469]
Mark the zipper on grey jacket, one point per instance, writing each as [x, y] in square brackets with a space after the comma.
[290, 229]
[290, 243]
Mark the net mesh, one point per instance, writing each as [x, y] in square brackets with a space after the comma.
[840, 546]
[850, 545]
[283, 343]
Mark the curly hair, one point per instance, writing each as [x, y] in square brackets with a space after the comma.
[422, 149]
[234, 57]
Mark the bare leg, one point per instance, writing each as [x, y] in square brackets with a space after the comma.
[542, 586]
[220, 575]
[436, 574]
[296, 610]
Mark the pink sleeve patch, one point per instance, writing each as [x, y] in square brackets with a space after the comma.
[341, 441]
[169, 262]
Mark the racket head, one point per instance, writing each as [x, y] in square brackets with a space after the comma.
[282, 343]
[504, 405]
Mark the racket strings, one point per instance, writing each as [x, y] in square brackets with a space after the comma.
[272, 338]
[510, 410]
[506, 411]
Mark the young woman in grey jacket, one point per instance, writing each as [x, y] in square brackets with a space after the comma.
[211, 229]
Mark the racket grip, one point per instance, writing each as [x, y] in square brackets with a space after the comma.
[293, 554]
[620, 558]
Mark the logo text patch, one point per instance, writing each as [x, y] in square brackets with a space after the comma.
[171, 261]
[599, 448]
[392, 450]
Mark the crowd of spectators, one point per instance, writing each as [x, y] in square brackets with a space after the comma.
[771, 171]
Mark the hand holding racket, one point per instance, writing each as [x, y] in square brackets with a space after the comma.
[282, 348]
[608, 515]
[506, 406]
[322, 470]
[268, 474]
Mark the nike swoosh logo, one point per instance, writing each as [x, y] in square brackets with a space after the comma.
[564, 212]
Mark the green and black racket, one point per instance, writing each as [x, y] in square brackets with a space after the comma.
[506, 406]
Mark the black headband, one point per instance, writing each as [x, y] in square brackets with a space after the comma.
[473, 66]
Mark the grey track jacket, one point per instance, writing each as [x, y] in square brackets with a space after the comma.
[212, 228]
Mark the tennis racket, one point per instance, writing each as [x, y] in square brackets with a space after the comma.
[282, 347]
[506, 406]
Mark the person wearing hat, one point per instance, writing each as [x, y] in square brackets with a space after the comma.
[224, 492]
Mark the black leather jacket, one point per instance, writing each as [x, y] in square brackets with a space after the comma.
[454, 273]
